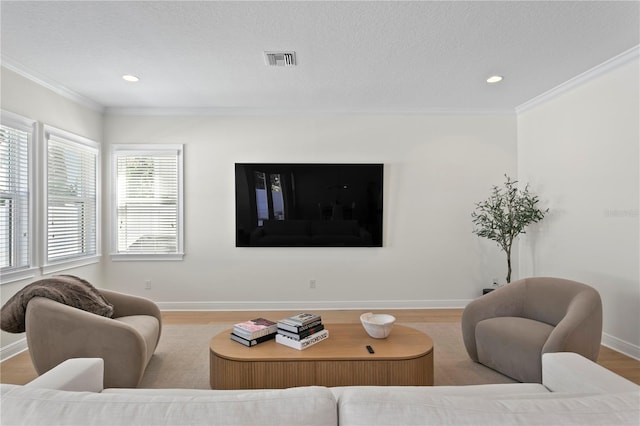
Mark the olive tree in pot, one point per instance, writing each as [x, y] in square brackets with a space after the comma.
[505, 214]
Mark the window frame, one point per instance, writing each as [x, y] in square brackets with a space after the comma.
[57, 265]
[27, 269]
[120, 150]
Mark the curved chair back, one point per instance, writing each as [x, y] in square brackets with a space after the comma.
[573, 309]
[548, 299]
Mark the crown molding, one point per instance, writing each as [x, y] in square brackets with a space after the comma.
[22, 71]
[611, 64]
[215, 111]
[598, 70]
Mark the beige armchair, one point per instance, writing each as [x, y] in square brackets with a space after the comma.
[126, 342]
[510, 328]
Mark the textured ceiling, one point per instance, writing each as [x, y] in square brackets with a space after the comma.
[352, 56]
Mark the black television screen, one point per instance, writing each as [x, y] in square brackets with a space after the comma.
[308, 205]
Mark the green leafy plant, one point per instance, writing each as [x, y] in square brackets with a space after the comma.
[505, 214]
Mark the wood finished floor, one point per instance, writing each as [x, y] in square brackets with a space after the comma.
[19, 370]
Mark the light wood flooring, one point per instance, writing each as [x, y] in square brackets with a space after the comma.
[19, 370]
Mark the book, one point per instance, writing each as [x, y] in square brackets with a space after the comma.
[304, 343]
[305, 333]
[250, 336]
[255, 328]
[297, 328]
[252, 342]
[303, 318]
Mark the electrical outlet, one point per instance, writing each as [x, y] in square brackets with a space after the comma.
[147, 285]
[312, 284]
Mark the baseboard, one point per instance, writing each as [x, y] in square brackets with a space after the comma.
[327, 305]
[13, 349]
[621, 346]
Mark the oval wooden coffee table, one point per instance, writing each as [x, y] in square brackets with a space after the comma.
[404, 358]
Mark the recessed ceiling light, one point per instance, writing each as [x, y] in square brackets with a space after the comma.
[130, 78]
[494, 79]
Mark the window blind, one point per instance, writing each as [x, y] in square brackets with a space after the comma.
[71, 199]
[14, 197]
[147, 203]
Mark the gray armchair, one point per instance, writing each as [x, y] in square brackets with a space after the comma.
[126, 342]
[510, 328]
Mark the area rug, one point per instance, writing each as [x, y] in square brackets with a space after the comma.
[182, 357]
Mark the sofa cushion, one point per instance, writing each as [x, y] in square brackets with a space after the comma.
[467, 390]
[513, 346]
[571, 372]
[380, 406]
[296, 406]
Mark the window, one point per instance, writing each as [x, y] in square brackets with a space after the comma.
[72, 191]
[16, 193]
[148, 202]
[269, 203]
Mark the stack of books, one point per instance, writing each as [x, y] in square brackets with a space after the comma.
[301, 331]
[254, 331]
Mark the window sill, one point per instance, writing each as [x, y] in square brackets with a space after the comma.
[130, 257]
[53, 268]
[18, 275]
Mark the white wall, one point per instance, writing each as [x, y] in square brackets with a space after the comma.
[24, 97]
[436, 168]
[580, 151]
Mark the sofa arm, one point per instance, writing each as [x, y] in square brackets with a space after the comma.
[76, 374]
[580, 330]
[571, 372]
[126, 305]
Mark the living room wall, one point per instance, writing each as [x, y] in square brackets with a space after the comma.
[580, 150]
[436, 168]
[29, 99]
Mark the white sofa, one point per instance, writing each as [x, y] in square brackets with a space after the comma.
[575, 391]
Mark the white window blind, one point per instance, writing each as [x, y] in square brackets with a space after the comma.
[148, 200]
[72, 197]
[16, 137]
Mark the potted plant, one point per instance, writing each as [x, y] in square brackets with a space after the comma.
[505, 214]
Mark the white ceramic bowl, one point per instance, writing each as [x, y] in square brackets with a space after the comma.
[377, 326]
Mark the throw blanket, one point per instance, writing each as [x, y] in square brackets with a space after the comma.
[67, 289]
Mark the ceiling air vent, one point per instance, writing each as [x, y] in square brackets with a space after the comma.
[280, 59]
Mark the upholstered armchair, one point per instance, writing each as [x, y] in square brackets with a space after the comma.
[510, 328]
[126, 342]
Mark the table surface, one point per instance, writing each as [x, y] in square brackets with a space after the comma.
[345, 342]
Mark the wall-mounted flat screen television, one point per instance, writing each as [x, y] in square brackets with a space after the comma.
[308, 205]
